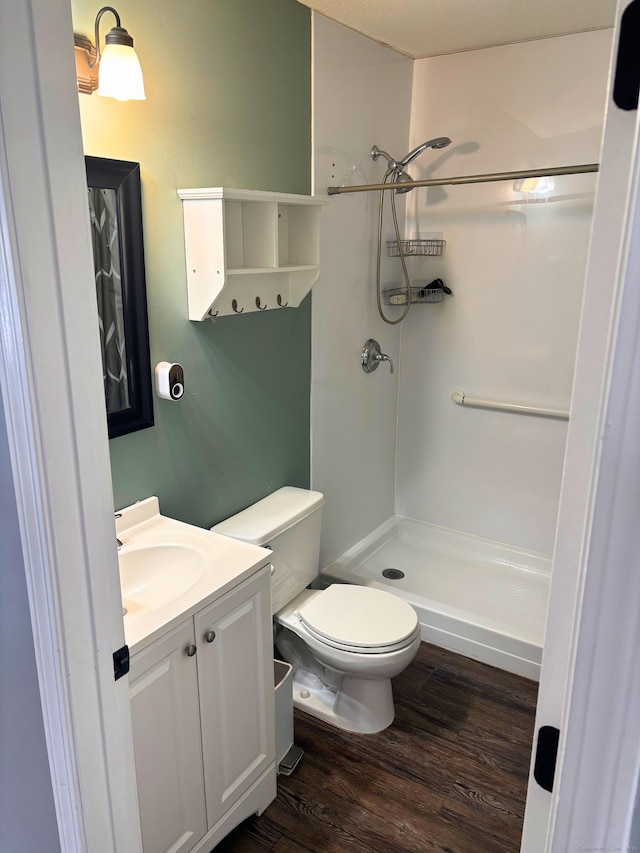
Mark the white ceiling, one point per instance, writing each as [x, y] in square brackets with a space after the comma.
[420, 28]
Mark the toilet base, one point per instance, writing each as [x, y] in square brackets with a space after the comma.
[357, 705]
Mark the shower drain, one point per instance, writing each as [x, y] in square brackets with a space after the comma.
[392, 574]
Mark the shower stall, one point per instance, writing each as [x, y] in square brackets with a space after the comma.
[458, 500]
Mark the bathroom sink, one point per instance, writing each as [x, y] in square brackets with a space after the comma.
[152, 577]
[169, 569]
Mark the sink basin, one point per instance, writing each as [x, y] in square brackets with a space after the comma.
[152, 577]
[169, 570]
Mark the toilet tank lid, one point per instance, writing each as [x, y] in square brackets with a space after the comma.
[270, 516]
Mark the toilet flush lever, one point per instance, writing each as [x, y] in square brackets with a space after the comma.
[372, 355]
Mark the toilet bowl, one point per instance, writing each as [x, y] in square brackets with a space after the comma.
[346, 642]
[344, 660]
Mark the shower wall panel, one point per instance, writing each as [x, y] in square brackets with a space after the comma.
[361, 97]
[515, 261]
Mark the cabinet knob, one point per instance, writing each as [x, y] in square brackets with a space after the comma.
[191, 650]
[210, 636]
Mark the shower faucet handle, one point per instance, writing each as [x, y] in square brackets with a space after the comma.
[383, 357]
[372, 355]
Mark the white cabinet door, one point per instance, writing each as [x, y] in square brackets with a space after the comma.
[167, 745]
[235, 676]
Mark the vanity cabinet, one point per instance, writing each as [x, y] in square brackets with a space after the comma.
[165, 714]
[235, 674]
[202, 711]
[248, 250]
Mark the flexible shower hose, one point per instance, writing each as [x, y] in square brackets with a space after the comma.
[405, 274]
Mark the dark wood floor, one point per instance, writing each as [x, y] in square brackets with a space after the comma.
[449, 775]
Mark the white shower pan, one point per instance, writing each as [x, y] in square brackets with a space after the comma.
[480, 598]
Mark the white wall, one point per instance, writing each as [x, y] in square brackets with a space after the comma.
[362, 97]
[27, 814]
[516, 267]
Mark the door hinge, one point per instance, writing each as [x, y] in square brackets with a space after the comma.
[626, 81]
[121, 662]
[544, 768]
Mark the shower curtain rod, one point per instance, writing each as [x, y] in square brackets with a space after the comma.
[470, 179]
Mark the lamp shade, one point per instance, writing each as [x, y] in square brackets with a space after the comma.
[120, 74]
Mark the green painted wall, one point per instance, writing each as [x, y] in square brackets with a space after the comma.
[228, 86]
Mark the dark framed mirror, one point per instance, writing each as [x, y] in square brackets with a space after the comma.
[115, 209]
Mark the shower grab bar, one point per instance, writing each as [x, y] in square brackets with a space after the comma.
[463, 399]
[470, 179]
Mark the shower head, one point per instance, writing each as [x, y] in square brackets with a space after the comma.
[396, 169]
[400, 178]
[438, 142]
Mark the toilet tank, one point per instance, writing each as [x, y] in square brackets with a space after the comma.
[288, 522]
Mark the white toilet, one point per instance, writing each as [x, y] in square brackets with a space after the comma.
[346, 642]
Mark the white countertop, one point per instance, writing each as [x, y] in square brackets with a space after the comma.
[222, 562]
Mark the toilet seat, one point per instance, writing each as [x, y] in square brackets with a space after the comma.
[359, 619]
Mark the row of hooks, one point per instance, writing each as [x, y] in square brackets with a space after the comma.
[259, 306]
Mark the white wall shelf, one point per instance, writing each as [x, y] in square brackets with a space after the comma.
[248, 250]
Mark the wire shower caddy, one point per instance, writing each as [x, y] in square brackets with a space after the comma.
[416, 247]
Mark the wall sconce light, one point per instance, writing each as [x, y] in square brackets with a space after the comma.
[115, 71]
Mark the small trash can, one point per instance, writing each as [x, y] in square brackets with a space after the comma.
[287, 755]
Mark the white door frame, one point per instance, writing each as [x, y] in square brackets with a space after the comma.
[589, 674]
[50, 372]
[594, 800]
